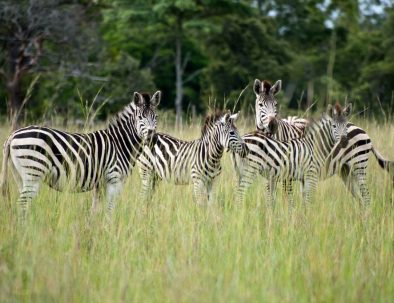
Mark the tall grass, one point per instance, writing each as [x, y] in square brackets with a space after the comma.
[171, 250]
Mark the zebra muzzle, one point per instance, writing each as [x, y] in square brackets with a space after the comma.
[272, 127]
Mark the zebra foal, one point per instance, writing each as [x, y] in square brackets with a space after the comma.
[81, 162]
[197, 161]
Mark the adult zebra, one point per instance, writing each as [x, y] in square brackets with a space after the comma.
[350, 161]
[298, 159]
[81, 162]
[197, 161]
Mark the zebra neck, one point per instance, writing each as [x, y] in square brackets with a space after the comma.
[127, 143]
[321, 138]
[212, 145]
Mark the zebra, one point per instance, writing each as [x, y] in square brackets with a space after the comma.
[302, 159]
[81, 162]
[349, 162]
[197, 161]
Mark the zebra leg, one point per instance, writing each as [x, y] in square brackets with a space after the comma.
[310, 186]
[349, 181]
[271, 192]
[27, 192]
[96, 199]
[246, 177]
[359, 177]
[148, 182]
[200, 192]
[209, 192]
[113, 190]
[288, 191]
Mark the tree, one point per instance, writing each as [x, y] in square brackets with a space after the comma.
[35, 36]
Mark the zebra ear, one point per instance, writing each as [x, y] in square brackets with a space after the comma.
[234, 117]
[138, 99]
[225, 118]
[276, 87]
[347, 111]
[257, 86]
[156, 99]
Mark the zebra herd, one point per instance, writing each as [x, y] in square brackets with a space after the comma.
[286, 150]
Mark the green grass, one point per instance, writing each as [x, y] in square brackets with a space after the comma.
[174, 251]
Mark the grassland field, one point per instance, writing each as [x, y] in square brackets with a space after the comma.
[172, 250]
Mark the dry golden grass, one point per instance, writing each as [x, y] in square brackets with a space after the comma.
[174, 251]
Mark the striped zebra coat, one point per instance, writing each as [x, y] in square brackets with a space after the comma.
[197, 161]
[301, 159]
[81, 162]
[350, 161]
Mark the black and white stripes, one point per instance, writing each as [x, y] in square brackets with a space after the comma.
[288, 150]
[81, 162]
[299, 159]
[349, 160]
[197, 161]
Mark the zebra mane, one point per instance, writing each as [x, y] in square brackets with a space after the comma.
[210, 121]
[128, 110]
[315, 124]
[340, 114]
[266, 85]
[338, 108]
[147, 97]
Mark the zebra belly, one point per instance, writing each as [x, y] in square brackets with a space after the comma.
[176, 177]
[279, 165]
[34, 160]
[170, 171]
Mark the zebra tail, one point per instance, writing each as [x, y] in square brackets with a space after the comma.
[4, 171]
[383, 163]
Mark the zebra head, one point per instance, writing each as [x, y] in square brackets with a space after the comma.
[339, 119]
[145, 114]
[266, 104]
[230, 137]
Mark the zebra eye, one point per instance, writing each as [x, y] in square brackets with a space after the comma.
[232, 133]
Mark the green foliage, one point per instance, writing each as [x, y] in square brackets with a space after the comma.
[326, 50]
[172, 250]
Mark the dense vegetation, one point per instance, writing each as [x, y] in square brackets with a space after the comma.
[172, 250]
[63, 61]
[57, 54]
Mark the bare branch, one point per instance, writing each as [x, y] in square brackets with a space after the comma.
[192, 76]
[155, 58]
[185, 61]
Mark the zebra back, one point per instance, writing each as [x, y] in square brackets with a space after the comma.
[178, 160]
[79, 162]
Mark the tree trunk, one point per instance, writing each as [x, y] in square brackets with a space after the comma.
[330, 67]
[14, 87]
[178, 73]
[260, 6]
[15, 100]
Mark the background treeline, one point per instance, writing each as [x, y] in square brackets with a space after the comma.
[57, 54]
